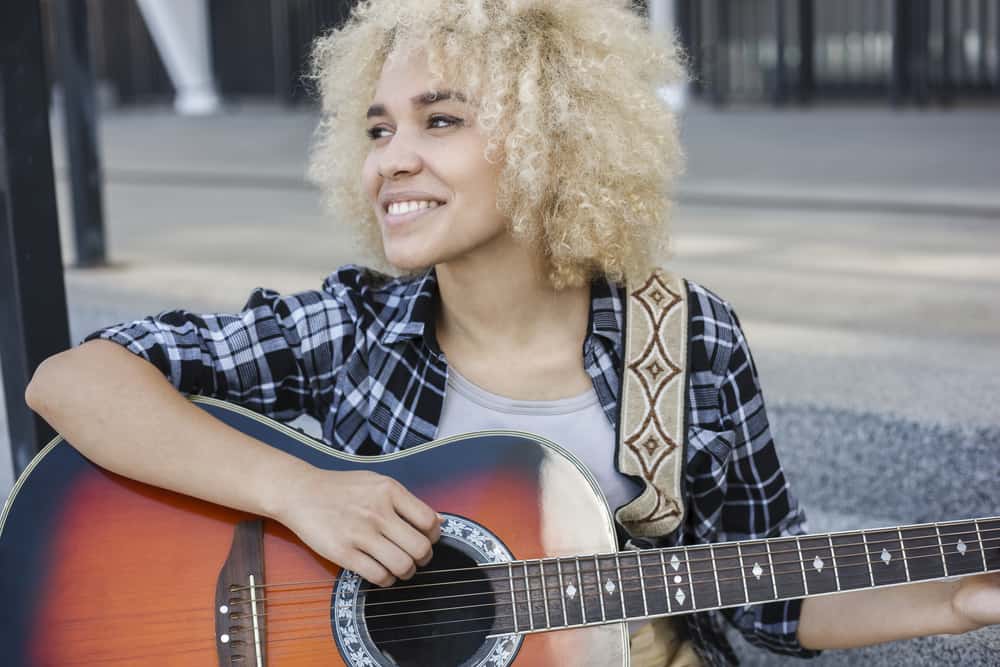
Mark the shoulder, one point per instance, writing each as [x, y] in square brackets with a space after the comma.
[713, 329]
[378, 301]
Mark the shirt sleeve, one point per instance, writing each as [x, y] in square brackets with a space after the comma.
[758, 502]
[278, 356]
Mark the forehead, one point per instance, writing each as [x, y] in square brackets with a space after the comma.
[407, 82]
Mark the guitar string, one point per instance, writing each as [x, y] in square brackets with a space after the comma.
[518, 608]
[517, 577]
[693, 547]
[692, 575]
[326, 635]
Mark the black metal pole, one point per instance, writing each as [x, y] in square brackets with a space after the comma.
[281, 52]
[780, 77]
[33, 320]
[807, 51]
[80, 122]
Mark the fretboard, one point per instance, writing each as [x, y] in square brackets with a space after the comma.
[536, 595]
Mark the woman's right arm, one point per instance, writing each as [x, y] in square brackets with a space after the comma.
[122, 414]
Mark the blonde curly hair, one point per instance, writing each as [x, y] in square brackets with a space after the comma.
[565, 92]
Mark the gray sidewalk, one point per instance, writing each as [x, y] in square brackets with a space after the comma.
[861, 249]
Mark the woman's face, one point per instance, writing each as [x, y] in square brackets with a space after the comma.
[428, 151]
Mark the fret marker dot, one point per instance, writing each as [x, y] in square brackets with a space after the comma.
[224, 639]
[223, 609]
[610, 587]
[571, 591]
[961, 548]
[678, 579]
[757, 571]
[675, 563]
[680, 597]
[818, 564]
[886, 557]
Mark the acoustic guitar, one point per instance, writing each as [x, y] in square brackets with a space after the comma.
[96, 569]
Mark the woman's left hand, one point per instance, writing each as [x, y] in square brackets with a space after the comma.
[976, 602]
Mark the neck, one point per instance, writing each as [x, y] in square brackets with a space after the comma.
[565, 592]
[501, 299]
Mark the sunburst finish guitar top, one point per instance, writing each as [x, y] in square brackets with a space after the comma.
[101, 570]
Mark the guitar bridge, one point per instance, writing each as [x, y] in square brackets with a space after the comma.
[239, 611]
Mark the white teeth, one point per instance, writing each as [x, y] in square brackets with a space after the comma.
[404, 207]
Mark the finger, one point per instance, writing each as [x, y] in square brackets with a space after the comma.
[390, 556]
[415, 511]
[369, 569]
[409, 539]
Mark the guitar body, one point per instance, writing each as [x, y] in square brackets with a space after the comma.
[98, 569]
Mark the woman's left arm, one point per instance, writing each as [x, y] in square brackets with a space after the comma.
[873, 616]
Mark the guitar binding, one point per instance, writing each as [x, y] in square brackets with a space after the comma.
[462, 540]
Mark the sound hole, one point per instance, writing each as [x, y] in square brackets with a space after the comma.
[439, 617]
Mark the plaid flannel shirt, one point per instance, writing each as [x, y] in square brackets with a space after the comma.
[360, 356]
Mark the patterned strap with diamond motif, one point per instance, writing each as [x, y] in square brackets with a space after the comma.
[652, 403]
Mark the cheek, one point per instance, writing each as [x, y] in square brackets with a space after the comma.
[370, 178]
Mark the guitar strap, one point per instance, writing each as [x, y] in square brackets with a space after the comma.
[651, 439]
[654, 380]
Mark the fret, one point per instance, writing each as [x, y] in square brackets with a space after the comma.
[924, 554]
[702, 577]
[868, 559]
[636, 604]
[885, 557]
[960, 543]
[817, 564]
[743, 580]
[591, 590]
[802, 566]
[513, 595]
[687, 565]
[851, 555]
[678, 580]
[621, 584]
[990, 530]
[499, 594]
[757, 572]
[651, 564]
[902, 548]
[833, 557]
[982, 549]
[666, 588]
[944, 560]
[770, 563]
[527, 592]
[727, 566]
[562, 590]
[610, 587]
[715, 574]
[580, 592]
[789, 576]
[551, 614]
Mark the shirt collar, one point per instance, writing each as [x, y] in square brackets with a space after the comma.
[411, 313]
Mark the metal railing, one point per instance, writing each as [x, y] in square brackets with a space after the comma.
[757, 51]
[804, 50]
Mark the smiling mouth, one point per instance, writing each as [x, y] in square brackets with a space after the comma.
[402, 218]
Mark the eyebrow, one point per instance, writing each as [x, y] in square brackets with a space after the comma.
[419, 101]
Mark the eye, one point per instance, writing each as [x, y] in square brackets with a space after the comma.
[375, 132]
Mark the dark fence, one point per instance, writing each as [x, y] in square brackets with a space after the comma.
[741, 50]
[802, 50]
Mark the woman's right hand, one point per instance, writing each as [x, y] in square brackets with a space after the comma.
[362, 521]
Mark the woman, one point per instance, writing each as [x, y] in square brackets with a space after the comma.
[514, 165]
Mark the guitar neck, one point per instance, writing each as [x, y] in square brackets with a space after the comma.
[535, 595]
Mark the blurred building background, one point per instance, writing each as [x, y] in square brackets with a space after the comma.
[756, 51]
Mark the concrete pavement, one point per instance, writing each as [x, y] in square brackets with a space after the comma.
[861, 249]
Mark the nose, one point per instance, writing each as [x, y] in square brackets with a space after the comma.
[399, 157]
